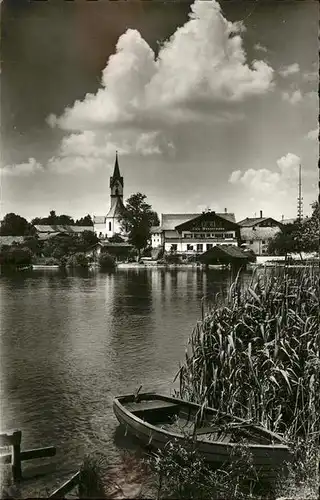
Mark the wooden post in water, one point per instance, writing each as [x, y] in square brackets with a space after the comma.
[16, 456]
[13, 438]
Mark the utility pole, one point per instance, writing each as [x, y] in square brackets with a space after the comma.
[300, 202]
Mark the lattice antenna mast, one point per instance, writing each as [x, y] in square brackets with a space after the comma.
[300, 199]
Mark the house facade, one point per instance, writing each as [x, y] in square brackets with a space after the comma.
[194, 234]
[256, 232]
[106, 226]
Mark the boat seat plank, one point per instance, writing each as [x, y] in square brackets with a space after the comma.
[150, 405]
[206, 430]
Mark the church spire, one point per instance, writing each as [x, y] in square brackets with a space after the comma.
[116, 170]
[116, 181]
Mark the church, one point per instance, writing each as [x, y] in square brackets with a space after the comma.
[106, 226]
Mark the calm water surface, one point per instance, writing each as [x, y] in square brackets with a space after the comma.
[70, 343]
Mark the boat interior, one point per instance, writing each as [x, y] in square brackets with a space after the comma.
[189, 420]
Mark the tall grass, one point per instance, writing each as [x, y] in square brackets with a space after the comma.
[257, 356]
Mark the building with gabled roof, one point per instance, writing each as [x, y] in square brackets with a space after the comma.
[193, 234]
[226, 254]
[107, 225]
[256, 233]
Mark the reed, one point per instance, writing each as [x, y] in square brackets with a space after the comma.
[92, 477]
[257, 355]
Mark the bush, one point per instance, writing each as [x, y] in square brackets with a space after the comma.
[106, 261]
[46, 261]
[15, 257]
[182, 473]
[77, 260]
[172, 258]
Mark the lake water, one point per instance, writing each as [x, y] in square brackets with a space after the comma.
[70, 343]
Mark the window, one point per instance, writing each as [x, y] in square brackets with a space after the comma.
[251, 242]
[264, 242]
[209, 245]
[199, 247]
[109, 226]
[202, 235]
[174, 247]
[189, 247]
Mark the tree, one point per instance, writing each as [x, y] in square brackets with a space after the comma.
[32, 242]
[116, 238]
[62, 245]
[155, 221]
[14, 225]
[89, 238]
[310, 234]
[54, 220]
[64, 220]
[137, 220]
[78, 259]
[106, 261]
[15, 256]
[85, 221]
[287, 240]
[299, 236]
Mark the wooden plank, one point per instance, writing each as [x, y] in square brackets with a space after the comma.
[49, 451]
[149, 405]
[66, 486]
[207, 430]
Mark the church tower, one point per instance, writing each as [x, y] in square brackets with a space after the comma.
[116, 184]
[110, 224]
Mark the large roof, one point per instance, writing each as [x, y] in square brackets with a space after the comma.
[170, 221]
[43, 228]
[252, 221]
[116, 208]
[258, 233]
[225, 252]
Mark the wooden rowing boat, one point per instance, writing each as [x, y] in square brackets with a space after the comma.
[157, 419]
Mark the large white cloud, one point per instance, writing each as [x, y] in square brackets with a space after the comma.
[202, 64]
[264, 181]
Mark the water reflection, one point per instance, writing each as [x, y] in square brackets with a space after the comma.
[71, 342]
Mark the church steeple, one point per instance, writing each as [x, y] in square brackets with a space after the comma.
[116, 170]
[116, 183]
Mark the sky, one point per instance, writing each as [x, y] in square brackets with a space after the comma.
[210, 105]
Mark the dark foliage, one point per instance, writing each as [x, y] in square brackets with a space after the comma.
[15, 225]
